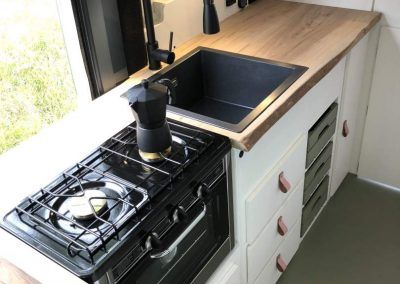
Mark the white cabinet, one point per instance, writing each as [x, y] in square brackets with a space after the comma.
[259, 209]
[262, 249]
[350, 106]
[249, 170]
[256, 174]
[270, 273]
[380, 153]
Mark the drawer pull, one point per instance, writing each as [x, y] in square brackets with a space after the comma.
[323, 131]
[282, 228]
[280, 263]
[316, 202]
[345, 130]
[319, 169]
[284, 184]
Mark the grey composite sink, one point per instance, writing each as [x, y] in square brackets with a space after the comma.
[226, 89]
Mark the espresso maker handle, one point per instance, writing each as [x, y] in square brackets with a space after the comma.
[171, 90]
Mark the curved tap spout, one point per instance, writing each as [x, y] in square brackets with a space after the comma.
[155, 55]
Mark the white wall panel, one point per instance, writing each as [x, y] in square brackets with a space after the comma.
[380, 152]
[185, 19]
[352, 95]
[390, 10]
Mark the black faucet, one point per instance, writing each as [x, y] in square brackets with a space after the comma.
[156, 55]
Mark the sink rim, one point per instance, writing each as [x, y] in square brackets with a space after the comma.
[269, 99]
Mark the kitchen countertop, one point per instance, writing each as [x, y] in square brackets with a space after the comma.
[314, 36]
[310, 35]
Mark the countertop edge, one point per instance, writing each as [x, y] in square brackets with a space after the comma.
[246, 144]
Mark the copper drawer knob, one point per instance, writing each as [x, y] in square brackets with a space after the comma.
[284, 184]
[345, 130]
[280, 263]
[282, 228]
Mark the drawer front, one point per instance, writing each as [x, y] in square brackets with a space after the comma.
[317, 171]
[320, 127]
[320, 133]
[270, 274]
[316, 149]
[268, 197]
[313, 206]
[259, 252]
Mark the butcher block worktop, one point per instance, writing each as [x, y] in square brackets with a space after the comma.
[314, 36]
[317, 37]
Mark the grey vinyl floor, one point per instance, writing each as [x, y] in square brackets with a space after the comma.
[355, 240]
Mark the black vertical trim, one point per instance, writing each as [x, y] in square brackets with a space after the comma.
[81, 15]
[131, 20]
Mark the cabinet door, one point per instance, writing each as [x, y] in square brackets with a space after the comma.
[380, 152]
[348, 113]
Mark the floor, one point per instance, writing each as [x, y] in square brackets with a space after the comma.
[355, 240]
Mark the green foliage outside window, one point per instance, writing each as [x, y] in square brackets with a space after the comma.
[36, 87]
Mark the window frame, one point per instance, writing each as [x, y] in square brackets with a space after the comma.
[94, 64]
[73, 47]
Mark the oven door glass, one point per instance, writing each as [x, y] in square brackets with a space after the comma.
[207, 229]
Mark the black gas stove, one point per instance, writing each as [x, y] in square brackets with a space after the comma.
[114, 218]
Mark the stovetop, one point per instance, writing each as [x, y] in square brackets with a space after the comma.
[89, 211]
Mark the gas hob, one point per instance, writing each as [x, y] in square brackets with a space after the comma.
[83, 218]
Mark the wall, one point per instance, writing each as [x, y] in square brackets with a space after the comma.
[185, 19]
[390, 10]
[380, 152]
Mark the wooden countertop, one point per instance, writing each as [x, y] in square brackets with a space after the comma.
[314, 36]
[10, 274]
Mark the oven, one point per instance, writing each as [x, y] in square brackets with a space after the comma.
[189, 244]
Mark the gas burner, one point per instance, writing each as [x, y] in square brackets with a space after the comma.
[89, 207]
[155, 157]
[178, 148]
[161, 164]
[121, 154]
[178, 145]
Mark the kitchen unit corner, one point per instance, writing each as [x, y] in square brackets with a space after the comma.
[269, 158]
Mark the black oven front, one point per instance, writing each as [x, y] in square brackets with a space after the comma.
[189, 244]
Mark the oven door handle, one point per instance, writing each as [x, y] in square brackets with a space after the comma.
[178, 240]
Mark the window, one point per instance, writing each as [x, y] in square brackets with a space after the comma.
[112, 38]
[36, 86]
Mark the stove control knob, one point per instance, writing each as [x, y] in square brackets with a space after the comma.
[178, 214]
[203, 190]
[152, 241]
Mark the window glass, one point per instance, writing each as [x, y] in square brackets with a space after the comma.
[36, 86]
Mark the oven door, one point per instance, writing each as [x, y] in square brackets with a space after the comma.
[189, 247]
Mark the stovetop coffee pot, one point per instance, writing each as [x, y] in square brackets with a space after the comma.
[148, 102]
